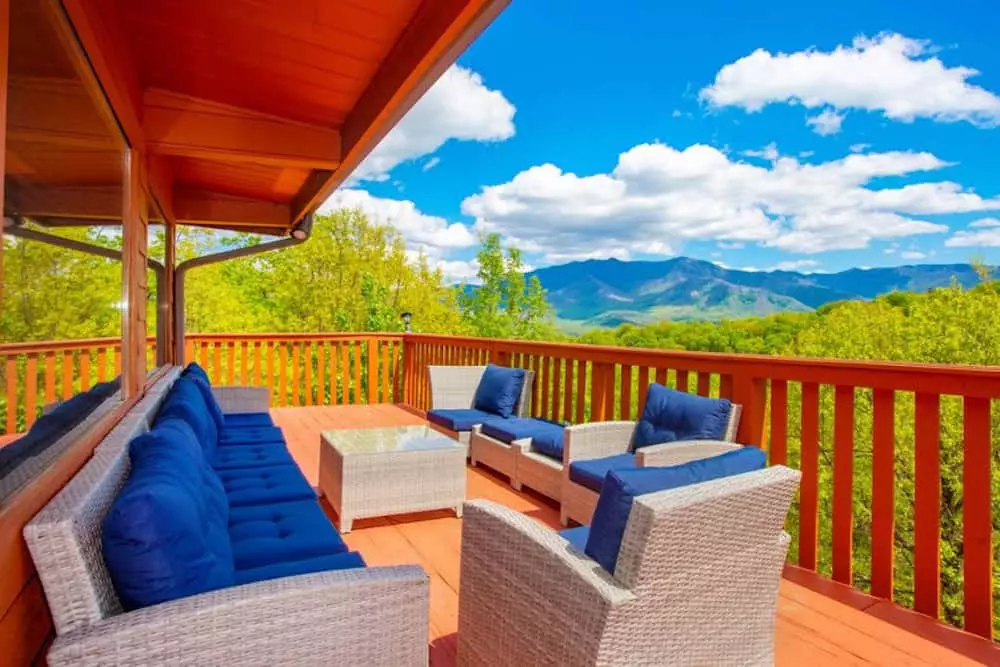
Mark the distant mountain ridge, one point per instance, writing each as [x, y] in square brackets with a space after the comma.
[610, 292]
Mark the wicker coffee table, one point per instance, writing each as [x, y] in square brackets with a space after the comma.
[379, 471]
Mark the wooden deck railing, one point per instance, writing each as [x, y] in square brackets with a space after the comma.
[897, 459]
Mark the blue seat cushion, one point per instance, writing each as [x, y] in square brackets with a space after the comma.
[458, 419]
[280, 532]
[577, 537]
[546, 437]
[499, 390]
[260, 486]
[251, 435]
[344, 561]
[622, 487]
[671, 415]
[244, 419]
[591, 472]
[166, 536]
[250, 455]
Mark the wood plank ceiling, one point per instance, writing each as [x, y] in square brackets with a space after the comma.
[250, 111]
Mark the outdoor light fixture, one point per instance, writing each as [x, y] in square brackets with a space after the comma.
[407, 318]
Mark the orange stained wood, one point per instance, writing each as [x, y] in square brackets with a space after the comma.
[818, 622]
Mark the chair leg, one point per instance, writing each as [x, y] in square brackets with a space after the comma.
[563, 517]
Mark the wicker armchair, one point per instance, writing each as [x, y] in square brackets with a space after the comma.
[376, 615]
[696, 581]
[601, 439]
[454, 388]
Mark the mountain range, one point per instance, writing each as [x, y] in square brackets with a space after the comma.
[609, 292]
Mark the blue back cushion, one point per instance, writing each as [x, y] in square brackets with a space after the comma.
[214, 410]
[196, 371]
[499, 390]
[675, 415]
[185, 401]
[607, 529]
[165, 537]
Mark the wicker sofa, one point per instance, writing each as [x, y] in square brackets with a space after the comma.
[611, 442]
[359, 615]
[453, 391]
[696, 581]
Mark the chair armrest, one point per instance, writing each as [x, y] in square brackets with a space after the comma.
[676, 453]
[350, 617]
[523, 586]
[235, 399]
[596, 440]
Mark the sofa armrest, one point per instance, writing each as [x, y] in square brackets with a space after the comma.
[596, 440]
[350, 617]
[242, 399]
[523, 586]
[676, 453]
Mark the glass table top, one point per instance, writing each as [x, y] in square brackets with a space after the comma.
[388, 439]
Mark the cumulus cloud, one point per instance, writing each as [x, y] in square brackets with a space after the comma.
[826, 123]
[658, 197]
[769, 152]
[913, 254]
[795, 265]
[891, 74]
[981, 233]
[458, 106]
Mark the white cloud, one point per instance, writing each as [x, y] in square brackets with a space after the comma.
[769, 152]
[795, 265]
[805, 154]
[897, 76]
[981, 233]
[659, 197]
[458, 106]
[431, 163]
[428, 232]
[457, 270]
[913, 254]
[860, 148]
[826, 123]
[730, 246]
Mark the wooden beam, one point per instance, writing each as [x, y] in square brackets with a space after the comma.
[195, 207]
[58, 112]
[86, 203]
[134, 282]
[432, 41]
[161, 185]
[176, 124]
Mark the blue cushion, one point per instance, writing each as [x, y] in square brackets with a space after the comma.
[255, 434]
[344, 561]
[546, 437]
[163, 537]
[499, 390]
[259, 486]
[250, 455]
[244, 419]
[185, 401]
[458, 419]
[279, 532]
[214, 411]
[675, 415]
[178, 434]
[622, 486]
[577, 537]
[591, 472]
[195, 370]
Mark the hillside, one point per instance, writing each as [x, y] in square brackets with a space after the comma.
[606, 293]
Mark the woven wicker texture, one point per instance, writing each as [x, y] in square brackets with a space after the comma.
[235, 400]
[454, 388]
[696, 582]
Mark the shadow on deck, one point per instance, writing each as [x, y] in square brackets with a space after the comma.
[819, 622]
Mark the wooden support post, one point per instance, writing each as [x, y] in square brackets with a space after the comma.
[134, 241]
[751, 393]
[165, 352]
[4, 44]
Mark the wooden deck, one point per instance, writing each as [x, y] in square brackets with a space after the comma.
[819, 623]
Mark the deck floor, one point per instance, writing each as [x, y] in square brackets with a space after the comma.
[812, 628]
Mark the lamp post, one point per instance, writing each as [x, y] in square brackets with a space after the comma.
[407, 318]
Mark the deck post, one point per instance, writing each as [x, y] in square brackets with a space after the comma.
[4, 44]
[751, 393]
[134, 283]
[165, 350]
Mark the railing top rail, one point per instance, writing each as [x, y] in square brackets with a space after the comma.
[30, 347]
[354, 335]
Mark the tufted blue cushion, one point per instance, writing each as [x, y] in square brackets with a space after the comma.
[185, 401]
[499, 390]
[458, 419]
[195, 370]
[591, 472]
[672, 415]
[279, 532]
[250, 456]
[259, 486]
[251, 435]
[622, 486]
[165, 535]
[546, 437]
[343, 561]
[245, 419]
[577, 537]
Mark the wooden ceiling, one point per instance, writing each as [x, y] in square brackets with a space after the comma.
[250, 112]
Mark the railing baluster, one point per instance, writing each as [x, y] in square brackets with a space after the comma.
[188, 351]
[883, 491]
[333, 373]
[809, 491]
[244, 363]
[11, 373]
[843, 483]
[726, 386]
[345, 374]
[927, 507]
[321, 372]
[30, 390]
[372, 345]
[704, 383]
[661, 376]
[581, 389]
[386, 380]
[682, 380]
[557, 387]
[84, 370]
[778, 450]
[282, 373]
[270, 367]
[307, 362]
[67, 374]
[102, 363]
[642, 386]
[356, 349]
[118, 360]
[203, 354]
[977, 520]
[257, 370]
[609, 392]
[50, 377]
[567, 384]
[217, 363]
[231, 362]
[296, 352]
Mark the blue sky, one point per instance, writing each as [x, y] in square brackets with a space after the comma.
[753, 135]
